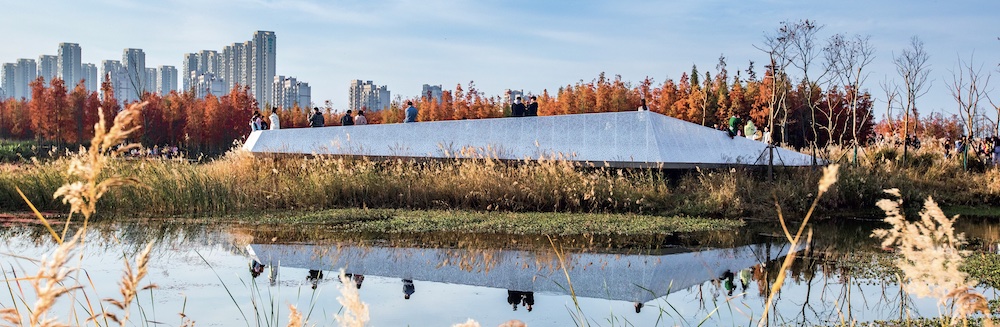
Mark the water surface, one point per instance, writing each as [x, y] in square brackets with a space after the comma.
[209, 273]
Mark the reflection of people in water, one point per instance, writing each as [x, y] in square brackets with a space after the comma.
[513, 298]
[358, 279]
[745, 276]
[256, 268]
[638, 307]
[728, 283]
[408, 288]
[527, 299]
[314, 277]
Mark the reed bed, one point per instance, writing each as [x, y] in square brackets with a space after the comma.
[241, 183]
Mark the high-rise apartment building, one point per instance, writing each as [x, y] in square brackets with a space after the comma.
[90, 80]
[246, 66]
[166, 80]
[510, 95]
[208, 62]
[288, 92]
[366, 95]
[208, 83]
[134, 63]
[250, 64]
[431, 92]
[234, 64]
[7, 80]
[189, 68]
[48, 68]
[115, 73]
[25, 72]
[69, 64]
[305, 95]
[264, 51]
[150, 83]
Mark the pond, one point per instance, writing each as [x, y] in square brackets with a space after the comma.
[248, 275]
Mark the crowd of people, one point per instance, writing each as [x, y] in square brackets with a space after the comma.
[987, 149]
[316, 119]
[350, 118]
[160, 152]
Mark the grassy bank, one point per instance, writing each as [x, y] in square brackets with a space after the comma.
[424, 221]
[239, 183]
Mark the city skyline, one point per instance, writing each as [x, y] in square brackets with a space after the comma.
[513, 45]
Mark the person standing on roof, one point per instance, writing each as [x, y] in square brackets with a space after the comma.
[411, 113]
[517, 108]
[532, 109]
[734, 124]
[347, 120]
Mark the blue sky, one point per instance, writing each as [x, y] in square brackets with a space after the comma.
[529, 45]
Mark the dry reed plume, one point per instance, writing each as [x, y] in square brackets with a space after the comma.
[355, 312]
[294, 317]
[467, 323]
[930, 257]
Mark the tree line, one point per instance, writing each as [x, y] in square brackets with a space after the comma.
[811, 94]
[212, 124]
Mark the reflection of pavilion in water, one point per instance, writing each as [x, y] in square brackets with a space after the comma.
[625, 277]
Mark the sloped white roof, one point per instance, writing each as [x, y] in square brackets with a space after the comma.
[617, 139]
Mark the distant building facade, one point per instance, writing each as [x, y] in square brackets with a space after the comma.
[48, 68]
[166, 80]
[16, 78]
[134, 64]
[115, 73]
[250, 64]
[150, 85]
[511, 95]
[288, 93]
[189, 69]
[208, 83]
[234, 65]
[367, 95]
[70, 65]
[431, 92]
[7, 79]
[90, 80]
[264, 52]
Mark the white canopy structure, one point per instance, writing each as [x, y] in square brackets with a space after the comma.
[617, 139]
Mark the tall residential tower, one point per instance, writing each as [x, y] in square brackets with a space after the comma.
[70, 65]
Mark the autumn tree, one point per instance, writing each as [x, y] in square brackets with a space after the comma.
[153, 127]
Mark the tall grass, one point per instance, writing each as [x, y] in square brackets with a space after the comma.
[239, 182]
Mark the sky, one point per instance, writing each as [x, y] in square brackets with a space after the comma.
[524, 45]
